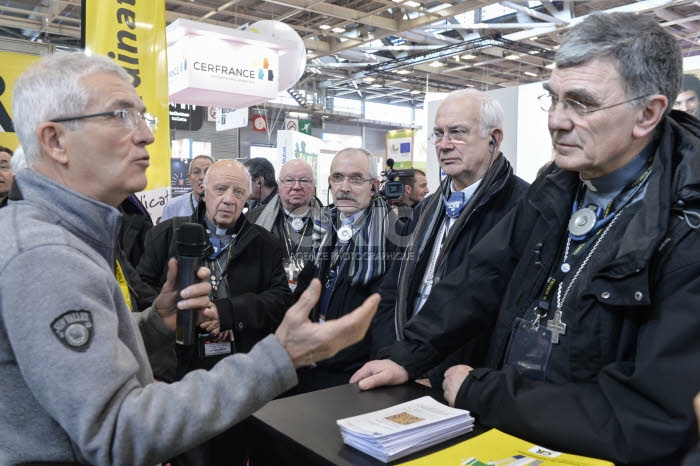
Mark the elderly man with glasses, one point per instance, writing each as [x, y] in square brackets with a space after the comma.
[588, 289]
[290, 216]
[479, 189]
[6, 174]
[356, 245]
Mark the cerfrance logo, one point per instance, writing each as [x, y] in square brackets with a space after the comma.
[264, 70]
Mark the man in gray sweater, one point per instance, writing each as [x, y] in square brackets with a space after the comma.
[75, 381]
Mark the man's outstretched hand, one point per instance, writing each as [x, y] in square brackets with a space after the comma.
[307, 342]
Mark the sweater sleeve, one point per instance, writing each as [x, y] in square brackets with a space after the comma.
[94, 381]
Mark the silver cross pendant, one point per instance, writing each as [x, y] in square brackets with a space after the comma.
[556, 326]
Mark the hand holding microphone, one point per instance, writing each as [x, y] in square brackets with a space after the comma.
[191, 243]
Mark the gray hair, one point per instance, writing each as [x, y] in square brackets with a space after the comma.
[650, 59]
[52, 88]
[189, 170]
[490, 109]
[373, 168]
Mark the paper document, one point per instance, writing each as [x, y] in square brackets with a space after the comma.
[397, 431]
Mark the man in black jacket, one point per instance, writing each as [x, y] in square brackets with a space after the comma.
[355, 248]
[480, 188]
[588, 288]
[249, 288]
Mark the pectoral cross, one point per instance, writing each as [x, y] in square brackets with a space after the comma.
[556, 326]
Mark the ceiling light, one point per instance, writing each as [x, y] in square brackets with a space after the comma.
[437, 64]
[412, 4]
[468, 56]
[534, 38]
[415, 91]
[338, 30]
[403, 71]
[324, 26]
[550, 66]
[530, 73]
[512, 56]
[369, 79]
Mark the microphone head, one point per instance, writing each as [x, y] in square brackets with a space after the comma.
[190, 240]
[390, 163]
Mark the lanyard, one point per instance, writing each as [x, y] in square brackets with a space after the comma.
[289, 244]
[123, 285]
[556, 279]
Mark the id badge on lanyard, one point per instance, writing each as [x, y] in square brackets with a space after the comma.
[529, 348]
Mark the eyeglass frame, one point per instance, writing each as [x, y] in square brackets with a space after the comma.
[291, 182]
[434, 140]
[143, 116]
[576, 106]
[337, 179]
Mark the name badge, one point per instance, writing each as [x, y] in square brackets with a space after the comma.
[209, 348]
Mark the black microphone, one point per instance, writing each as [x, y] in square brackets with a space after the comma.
[390, 163]
[190, 243]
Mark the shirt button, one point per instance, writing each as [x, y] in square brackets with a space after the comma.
[241, 325]
[605, 294]
[638, 295]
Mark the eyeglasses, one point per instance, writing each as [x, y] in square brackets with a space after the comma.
[238, 193]
[130, 118]
[548, 103]
[337, 179]
[455, 136]
[303, 182]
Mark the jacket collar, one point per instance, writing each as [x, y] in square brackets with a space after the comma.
[92, 221]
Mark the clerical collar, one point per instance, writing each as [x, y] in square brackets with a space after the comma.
[212, 229]
[621, 177]
[291, 215]
[351, 219]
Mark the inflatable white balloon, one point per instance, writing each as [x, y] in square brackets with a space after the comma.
[292, 62]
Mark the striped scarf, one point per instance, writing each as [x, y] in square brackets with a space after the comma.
[363, 257]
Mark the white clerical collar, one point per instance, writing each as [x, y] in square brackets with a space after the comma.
[351, 219]
[291, 215]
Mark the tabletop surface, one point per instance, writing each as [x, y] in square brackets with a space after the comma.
[302, 429]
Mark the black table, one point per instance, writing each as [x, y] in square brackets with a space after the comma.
[302, 429]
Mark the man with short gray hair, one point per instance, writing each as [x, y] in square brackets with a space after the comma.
[354, 251]
[185, 204]
[76, 386]
[290, 216]
[588, 288]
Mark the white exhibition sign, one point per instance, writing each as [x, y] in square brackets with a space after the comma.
[221, 67]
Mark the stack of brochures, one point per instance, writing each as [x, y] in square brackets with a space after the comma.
[395, 432]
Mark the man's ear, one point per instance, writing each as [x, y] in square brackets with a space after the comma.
[407, 188]
[52, 139]
[650, 115]
[375, 186]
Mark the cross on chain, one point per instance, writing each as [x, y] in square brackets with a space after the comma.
[556, 326]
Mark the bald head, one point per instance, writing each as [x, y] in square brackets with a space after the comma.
[226, 189]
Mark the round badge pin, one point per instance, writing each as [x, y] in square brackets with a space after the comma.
[344, 234]
[582, 222]
[297, 224]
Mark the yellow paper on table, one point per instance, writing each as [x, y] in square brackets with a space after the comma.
[500, 449]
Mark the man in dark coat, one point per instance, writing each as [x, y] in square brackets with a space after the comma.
[467, 133]
[355, 249]
[248, 284]
[589, 287]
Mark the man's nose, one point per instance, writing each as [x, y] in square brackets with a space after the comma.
[559, 119]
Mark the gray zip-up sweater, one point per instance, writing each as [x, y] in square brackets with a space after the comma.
[75, 382]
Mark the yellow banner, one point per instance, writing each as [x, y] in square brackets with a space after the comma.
[132, 32]
[13, 65]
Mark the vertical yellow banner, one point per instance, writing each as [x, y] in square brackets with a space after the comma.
[13, 65]
[132, 32]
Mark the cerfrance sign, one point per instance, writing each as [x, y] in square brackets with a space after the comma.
[221, 67]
